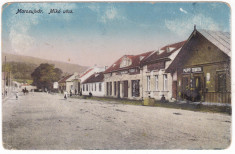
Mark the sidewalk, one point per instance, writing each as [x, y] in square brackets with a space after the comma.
[205, 103]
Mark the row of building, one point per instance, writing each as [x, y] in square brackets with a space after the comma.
[197, 69]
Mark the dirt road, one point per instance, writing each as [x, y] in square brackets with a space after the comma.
[45, 121]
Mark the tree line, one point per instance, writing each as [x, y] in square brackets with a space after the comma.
[43, 76]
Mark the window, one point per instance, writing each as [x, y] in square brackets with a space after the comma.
[107, 88]
[156, 82]
[86, 87]
[148, 83]
[83, 87]
[135, 88]
[95, 86]
[165, 83]
[100, 87]
[125, 62]
[222, 82]
[110, 88]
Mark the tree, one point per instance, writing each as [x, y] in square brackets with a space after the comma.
[44, 76]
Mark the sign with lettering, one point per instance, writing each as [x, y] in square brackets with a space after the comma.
[192, 70]
[187, 70]
[196, 69]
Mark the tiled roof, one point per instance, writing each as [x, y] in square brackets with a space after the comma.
[219, 39]
[63, 80]
[96, 77]
[135, 62]
[86, 72]
[164, 53]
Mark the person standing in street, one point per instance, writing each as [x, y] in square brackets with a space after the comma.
[70, 93]
[65, 94]
[16, 95]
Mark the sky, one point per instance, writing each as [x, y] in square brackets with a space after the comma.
[100, 33]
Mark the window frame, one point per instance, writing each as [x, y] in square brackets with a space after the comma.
[165, 82]
[148, 83]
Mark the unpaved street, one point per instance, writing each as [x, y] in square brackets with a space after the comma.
[45, 121]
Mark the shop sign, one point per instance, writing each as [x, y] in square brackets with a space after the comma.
[124, 72]
[192, 70]
[132, 70]
[187, 70]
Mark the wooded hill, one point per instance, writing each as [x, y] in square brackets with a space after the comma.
[22, 66]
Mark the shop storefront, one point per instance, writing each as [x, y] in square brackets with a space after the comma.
[203, 68]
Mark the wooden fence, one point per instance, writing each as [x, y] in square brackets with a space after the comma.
[218, 97]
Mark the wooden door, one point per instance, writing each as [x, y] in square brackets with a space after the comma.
[197, 87]
[174, 89]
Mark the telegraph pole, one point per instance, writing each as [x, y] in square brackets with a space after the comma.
[4, 86]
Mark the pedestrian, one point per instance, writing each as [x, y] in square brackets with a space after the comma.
[6, 92]
[71, 93]
[65, 95]
[75, 91]
[17, 95]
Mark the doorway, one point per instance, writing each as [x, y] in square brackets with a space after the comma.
[192, 87]
[118, 89]
[125, 88]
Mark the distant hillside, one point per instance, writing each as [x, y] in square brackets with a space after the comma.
[65, 67]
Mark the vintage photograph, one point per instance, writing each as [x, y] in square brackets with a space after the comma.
[116, 75]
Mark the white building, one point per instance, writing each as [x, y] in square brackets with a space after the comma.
[94, 85]
[70, 82]
[90, 71]
[123, 79]
[156, 82]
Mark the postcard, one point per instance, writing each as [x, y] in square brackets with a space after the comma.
[116, 75]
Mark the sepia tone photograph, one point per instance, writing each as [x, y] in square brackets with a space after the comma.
[116, 75]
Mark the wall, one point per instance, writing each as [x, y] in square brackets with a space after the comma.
[157, 94]
[202, 53]
[94, 93]
[69, 84]
[124, 77]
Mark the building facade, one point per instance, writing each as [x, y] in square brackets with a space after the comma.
[89, 72]
[71, 85]
[123, 79]
[62, 83]
[203, 67]
[94, 85]
[156, 82]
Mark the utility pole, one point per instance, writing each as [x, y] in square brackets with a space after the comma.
[9, 85]
[4, 86]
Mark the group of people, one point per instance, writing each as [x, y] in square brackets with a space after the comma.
[66, 94]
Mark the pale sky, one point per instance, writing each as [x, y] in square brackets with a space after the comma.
[100, 33]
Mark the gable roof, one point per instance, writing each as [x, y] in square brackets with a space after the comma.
[135, 59]
[63, 80]
[220, 39]
[157, 56]
[96, 77]
[89, 70]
